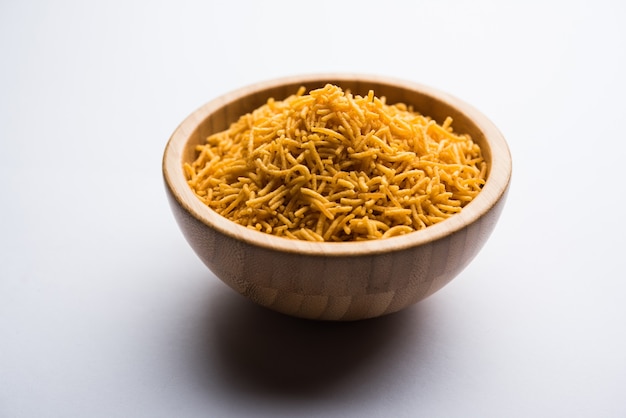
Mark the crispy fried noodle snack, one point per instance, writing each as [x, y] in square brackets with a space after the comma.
[330, 166]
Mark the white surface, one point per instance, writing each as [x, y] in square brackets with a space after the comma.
[106, 312]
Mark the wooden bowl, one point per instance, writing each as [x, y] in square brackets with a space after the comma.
[336, 281]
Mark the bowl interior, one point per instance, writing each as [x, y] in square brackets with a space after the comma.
[218, 114]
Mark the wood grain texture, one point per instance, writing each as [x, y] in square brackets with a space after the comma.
[336, 281]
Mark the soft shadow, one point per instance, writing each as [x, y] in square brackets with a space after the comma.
[250, 348]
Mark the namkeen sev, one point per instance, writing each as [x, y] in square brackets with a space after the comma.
[328, 165]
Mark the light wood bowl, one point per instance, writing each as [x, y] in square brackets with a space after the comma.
[336, 281]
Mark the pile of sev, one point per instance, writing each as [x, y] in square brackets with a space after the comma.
[332, 166]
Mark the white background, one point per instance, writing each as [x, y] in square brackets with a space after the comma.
[106, 312]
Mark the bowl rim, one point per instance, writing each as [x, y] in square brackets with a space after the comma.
[497, 183]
